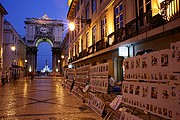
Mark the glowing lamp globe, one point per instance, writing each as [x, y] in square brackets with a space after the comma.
[71, 26]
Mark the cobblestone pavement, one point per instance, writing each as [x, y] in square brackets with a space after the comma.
[41, 99]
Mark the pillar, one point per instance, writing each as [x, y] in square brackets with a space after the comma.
[56, 55]
[31, 53]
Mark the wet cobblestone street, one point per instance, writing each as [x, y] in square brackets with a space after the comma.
[41, 99]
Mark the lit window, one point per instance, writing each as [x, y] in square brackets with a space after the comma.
[93, 6]
[119, 16]
[82, 44]
[94, 35]
[103, 28]
[87, 11]
[87, 39]
[144, 6]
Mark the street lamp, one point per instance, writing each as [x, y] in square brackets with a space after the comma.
[59, 67]
[62, 56]
[26, 68]
[13, 48]
[8, 63]
[72, 24]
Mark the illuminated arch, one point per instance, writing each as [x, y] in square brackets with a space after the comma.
[44, 39]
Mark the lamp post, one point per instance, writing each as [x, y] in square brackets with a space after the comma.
[26, 68]
[72, 26]
[8, 63]
[13, 48]
[59, 66]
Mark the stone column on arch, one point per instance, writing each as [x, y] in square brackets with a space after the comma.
[56, 55]
[31, 53]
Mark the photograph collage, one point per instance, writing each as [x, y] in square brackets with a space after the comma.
[99, 70]
[152, 97]
[99, 84]
[95, 103]
[155, 66]
[152, 82]
[128, 116]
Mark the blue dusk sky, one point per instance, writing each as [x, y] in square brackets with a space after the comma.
[19, 10]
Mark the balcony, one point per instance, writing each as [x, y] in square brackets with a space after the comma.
[117, 36]
[139, 25]
[92, 49]
[101, 44]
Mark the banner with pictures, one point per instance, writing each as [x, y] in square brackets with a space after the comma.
[99, 70]
[95, 104]
[116, 102]
[81, 78]
[175, 58]
[71, 73]
[99, 84]
[128, 116]
[158, 99]
[154, 66]
[76, 91]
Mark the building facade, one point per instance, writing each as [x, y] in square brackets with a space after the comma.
[64, 54]
[111, 30]
[2, 13]
[14, 60]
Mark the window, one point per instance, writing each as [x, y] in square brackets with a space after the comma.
[82, 1]
[119, 16]
[103, 28]
[82, 17]
[87, 39]
[72, 35]
[77, 47]
[78, 26]
[94, 35]
[101, 1]
[82, 44]
[144, 6]
[87, 11]
[77, 6]
[93, 6]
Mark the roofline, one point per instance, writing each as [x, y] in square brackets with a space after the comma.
[72, 6]
[3, 9]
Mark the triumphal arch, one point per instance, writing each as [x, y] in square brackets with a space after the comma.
[39, 30]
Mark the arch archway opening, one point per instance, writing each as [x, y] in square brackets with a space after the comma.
[43, 40]
[44, 56]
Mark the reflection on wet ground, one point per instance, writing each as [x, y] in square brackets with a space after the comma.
[41, 99]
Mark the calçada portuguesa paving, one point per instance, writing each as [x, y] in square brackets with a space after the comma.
[41, 99]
